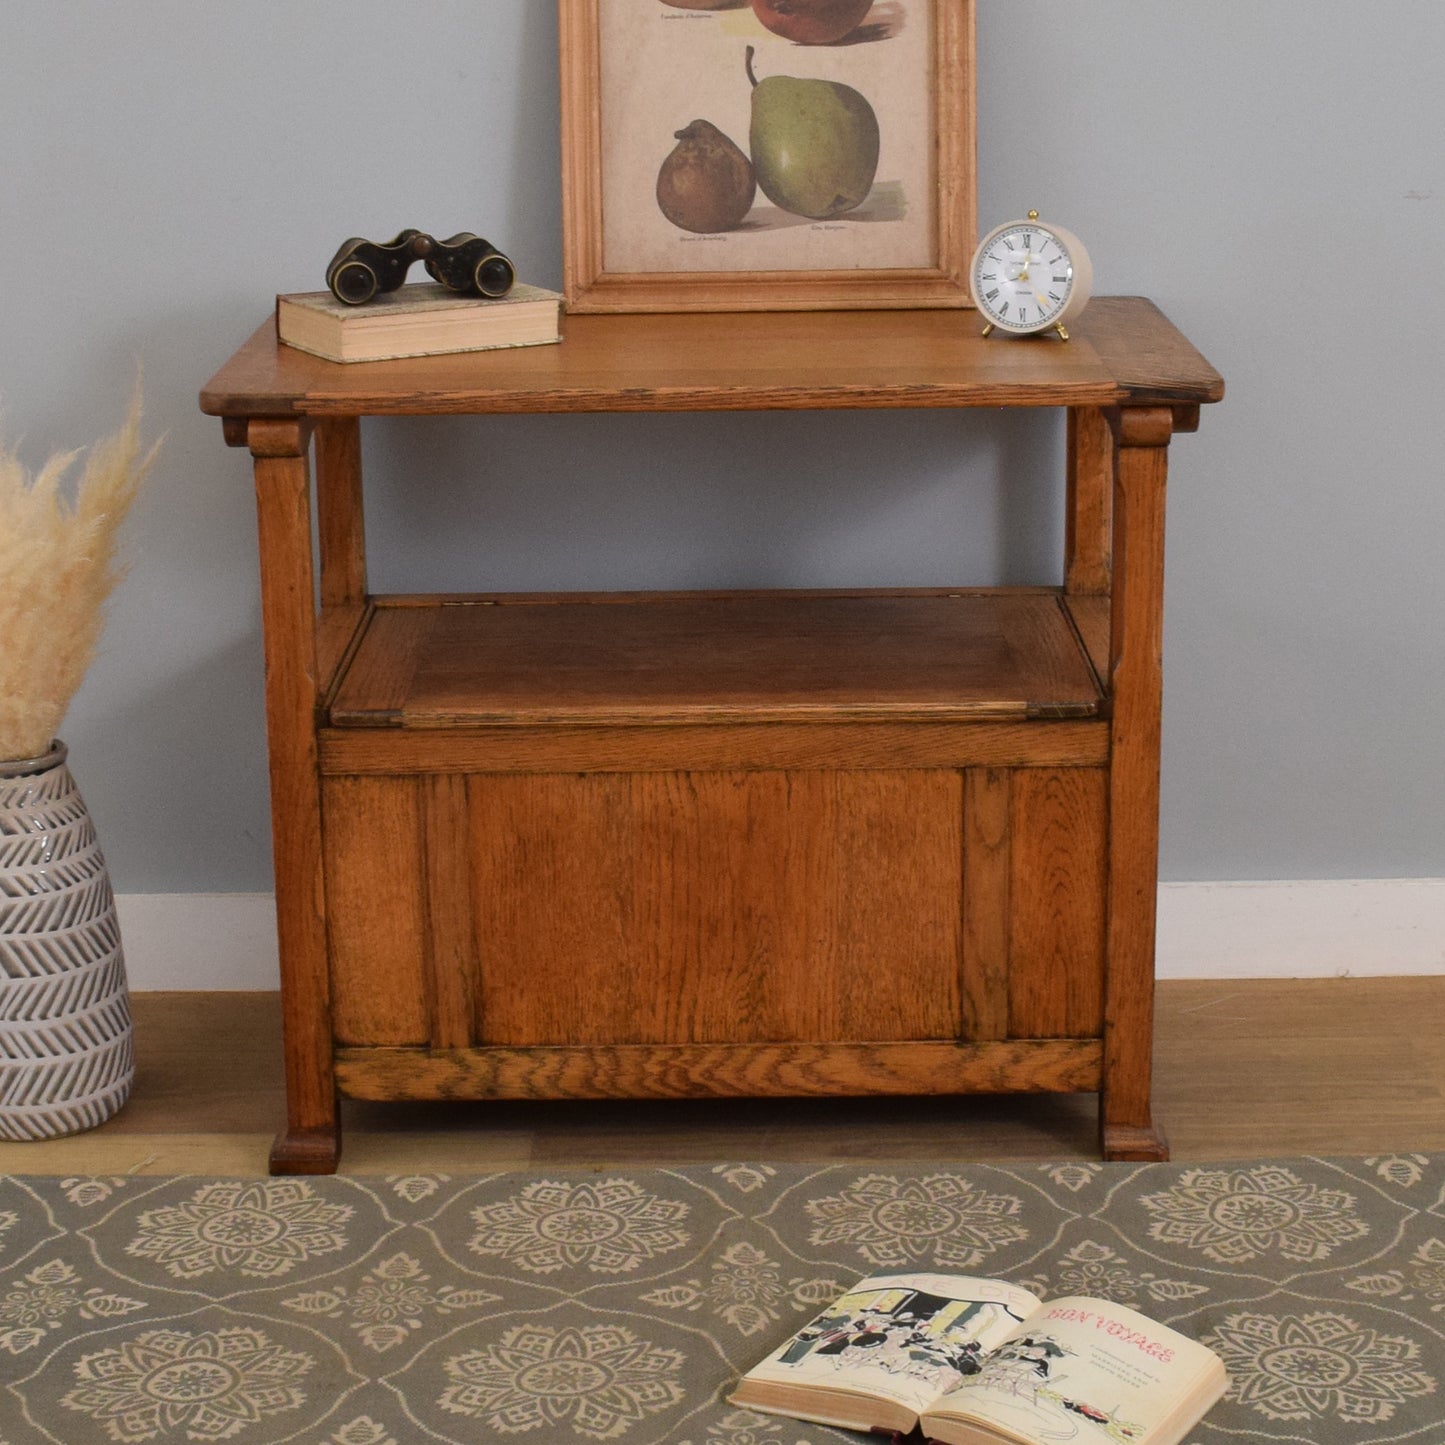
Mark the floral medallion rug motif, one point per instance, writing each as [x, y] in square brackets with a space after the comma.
[621, 1305]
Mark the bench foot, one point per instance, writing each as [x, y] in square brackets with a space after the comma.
[1131, 1142]
[308, 1151]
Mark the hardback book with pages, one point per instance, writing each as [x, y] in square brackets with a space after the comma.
[979, 1362]
[417, 320]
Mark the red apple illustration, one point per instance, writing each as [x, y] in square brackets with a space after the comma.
[812, 22]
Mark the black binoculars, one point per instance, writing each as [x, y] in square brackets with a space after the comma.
[464, 263]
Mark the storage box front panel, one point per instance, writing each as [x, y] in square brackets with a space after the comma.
[740, 907]
[1058, 840]
[375, 891]
[698, 907]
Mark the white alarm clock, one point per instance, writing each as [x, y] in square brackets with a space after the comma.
[1029, 276]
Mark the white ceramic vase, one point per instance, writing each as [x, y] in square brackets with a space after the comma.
[67, 1056]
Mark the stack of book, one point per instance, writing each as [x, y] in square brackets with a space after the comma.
[417, 320]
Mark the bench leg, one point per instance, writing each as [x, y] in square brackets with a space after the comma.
[1135, 685]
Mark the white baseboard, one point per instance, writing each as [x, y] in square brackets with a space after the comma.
[199, 941]
[1356, 927]
[1336, 928]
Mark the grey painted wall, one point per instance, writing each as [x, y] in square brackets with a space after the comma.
[1270, 174]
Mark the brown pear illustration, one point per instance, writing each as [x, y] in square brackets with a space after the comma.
[706, 184]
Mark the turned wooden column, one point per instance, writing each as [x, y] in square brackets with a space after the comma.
[311, 1141]
[1135, 692]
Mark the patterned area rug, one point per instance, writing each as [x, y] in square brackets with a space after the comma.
[621, 1305]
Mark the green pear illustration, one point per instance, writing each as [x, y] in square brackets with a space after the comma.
[814, 144]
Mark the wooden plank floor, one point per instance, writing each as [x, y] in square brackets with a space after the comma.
[1243, 1070]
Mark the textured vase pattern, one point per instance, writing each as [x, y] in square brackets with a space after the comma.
[66, 1044]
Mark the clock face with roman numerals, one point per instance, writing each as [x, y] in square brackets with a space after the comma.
[1029, 277]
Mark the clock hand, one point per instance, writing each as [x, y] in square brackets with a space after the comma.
[1022, 279]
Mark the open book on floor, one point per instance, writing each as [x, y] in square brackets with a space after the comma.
[979, 1362]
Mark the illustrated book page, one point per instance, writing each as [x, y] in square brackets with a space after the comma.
[886, 1350]
[1082, 1370]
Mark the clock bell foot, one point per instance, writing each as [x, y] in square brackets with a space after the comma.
[988, 331]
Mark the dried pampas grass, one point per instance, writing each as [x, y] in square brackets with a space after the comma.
[57, 567]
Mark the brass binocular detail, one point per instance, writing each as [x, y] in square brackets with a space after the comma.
[463, 263]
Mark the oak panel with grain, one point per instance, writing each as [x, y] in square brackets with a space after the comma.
[1059, 837]
[987, 902]
[672, 658]
[378, 680]
[453, 960]
[707, 908]
[739, 362]
[1151, 360]
[1090, 614]
[394, 751]
[374, 877]
[643, 1071]
[339, 631]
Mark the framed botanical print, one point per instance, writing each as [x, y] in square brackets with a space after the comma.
[735, 155]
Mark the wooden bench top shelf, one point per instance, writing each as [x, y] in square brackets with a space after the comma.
[1125, 352]
[718, 843]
